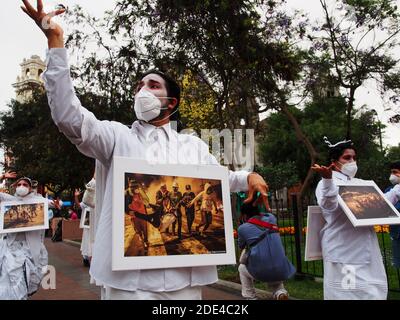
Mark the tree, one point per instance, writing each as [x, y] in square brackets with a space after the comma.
[40, 150]
[320, 118]
[359, 45]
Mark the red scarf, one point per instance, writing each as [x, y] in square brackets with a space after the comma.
[264, 224]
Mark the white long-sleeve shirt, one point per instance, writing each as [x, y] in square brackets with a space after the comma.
[341, 241]
[104, 139]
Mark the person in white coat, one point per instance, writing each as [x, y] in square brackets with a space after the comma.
[88, 202]
[150, 138]
[353, 266]
[23, 256]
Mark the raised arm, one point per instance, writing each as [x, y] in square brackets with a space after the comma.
[53, 32]
[92, 137]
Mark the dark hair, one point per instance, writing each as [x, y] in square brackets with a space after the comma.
[25, 179]
[249, 209]
[337, 151]
[395, 165]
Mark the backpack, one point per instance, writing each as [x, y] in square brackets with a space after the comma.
[267, 260]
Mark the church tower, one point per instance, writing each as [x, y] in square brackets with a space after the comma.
[31, 69]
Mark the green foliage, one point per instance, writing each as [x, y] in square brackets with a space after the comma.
[279, 175]
[318, 119]
[40, 150]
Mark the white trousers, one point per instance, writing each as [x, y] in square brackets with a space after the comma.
[247, 281]
[188, 293]
[356, 281]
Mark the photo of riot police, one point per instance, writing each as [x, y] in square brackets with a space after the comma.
[166, 215]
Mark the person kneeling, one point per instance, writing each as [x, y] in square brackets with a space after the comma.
[263, 257]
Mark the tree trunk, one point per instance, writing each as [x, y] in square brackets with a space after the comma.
[307, 143]
[350, 105]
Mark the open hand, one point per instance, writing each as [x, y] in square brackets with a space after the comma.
[325, 172]
[53, 31]
[257, 183]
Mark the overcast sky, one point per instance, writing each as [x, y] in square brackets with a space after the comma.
[20, 38]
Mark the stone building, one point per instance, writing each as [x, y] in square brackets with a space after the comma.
[29, 79]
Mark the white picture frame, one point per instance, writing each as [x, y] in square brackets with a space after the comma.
[315, 223]
[365, 204]
[22, 216]
[85, 219]
[213, 247]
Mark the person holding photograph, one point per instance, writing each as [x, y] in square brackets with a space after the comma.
[353, 266]
[23, 256]
[395, 228]
[150, 138]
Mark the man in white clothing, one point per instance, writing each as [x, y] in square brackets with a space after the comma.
[353, 266]
[152, 139]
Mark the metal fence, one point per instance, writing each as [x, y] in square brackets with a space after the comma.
[292, 221]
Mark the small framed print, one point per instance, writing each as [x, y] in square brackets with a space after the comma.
[85, 219]
[365, 204]
[315, 223]
[17, 216]
[170, 216]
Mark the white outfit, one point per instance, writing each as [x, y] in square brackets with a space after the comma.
[188, 293]
[104, 139]
[23, 258]
[346, 249]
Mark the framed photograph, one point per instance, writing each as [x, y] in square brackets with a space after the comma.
[85, 219]
[365, 204]
[170, 216]
[315, 223]
[17, 216]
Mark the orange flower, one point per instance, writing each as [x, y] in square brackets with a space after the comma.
[235, 233]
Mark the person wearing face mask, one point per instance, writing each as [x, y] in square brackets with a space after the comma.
[150, 138]
[23, 256]
[348, 252]
[394, 229]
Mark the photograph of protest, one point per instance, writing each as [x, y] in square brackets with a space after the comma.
[366, 205]
[85, 219]
[177, 215]
[166, 215]
[21, 217]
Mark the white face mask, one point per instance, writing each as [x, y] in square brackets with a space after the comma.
[349, 169]
[147, 105]
[21, 191]
[394, 179]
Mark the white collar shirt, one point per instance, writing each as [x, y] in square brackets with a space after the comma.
[104, 139]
